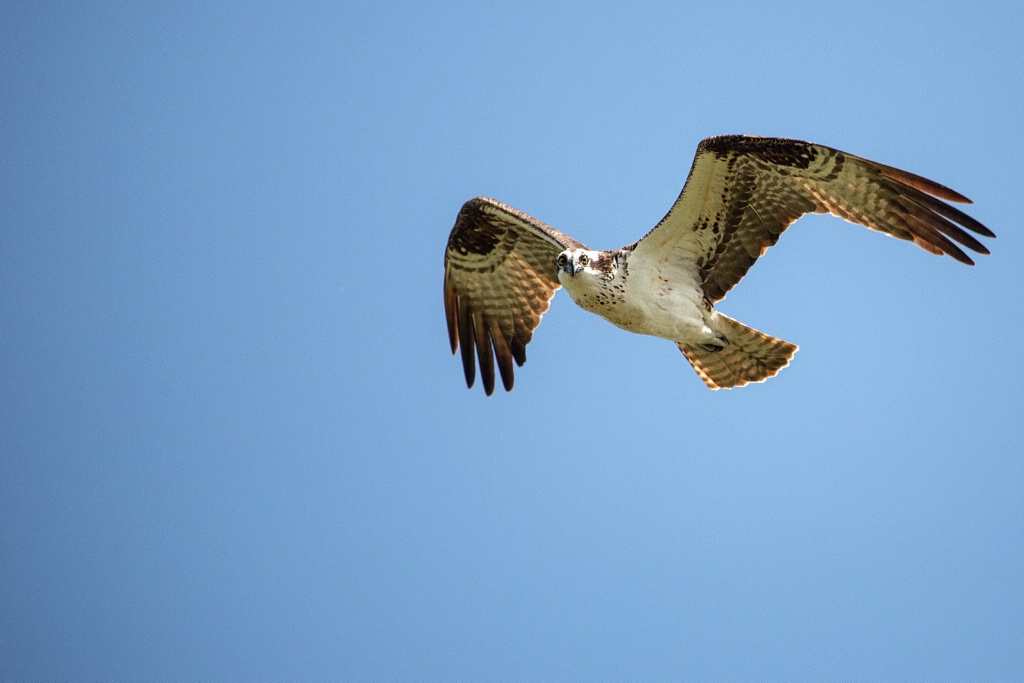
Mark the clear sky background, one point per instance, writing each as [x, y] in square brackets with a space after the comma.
[233, 442]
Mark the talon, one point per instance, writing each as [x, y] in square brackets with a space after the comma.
[714, 348]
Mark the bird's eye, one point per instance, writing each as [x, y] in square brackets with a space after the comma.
[562, 260]
[584, 259]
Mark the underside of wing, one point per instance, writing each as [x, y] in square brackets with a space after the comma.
[743, 192]
[499, 278]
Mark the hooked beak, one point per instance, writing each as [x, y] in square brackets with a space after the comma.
[570, 268]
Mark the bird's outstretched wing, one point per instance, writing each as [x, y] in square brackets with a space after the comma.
[743, 192]
[499, 277]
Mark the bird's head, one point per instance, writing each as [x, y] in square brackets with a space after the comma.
[584, 268]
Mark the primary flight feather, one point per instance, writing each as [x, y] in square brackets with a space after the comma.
[502, 267]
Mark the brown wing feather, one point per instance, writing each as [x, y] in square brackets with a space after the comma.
[743, 192]
[499, 278]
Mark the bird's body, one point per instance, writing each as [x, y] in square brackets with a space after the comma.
[502, 267]
[639, 295]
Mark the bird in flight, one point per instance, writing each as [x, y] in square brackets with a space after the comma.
[502, 267]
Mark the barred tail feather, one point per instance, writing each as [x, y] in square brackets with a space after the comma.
[751, 356]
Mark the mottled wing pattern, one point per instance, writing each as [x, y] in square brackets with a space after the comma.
[499, 278]
[743, 192]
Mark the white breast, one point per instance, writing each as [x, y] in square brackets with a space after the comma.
[643, 299]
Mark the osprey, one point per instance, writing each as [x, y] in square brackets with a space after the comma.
[502, 267]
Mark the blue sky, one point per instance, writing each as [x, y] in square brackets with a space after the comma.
[233, 443]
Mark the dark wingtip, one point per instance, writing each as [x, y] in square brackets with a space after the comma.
[966, 260]
[469, 366]
[923, 184]
[451, 314]
[982, 230]
[468, 345]
[483, 352]
[518, 351]
[936, 222]
[503, 355]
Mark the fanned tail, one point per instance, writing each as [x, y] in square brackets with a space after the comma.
[751, 356]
